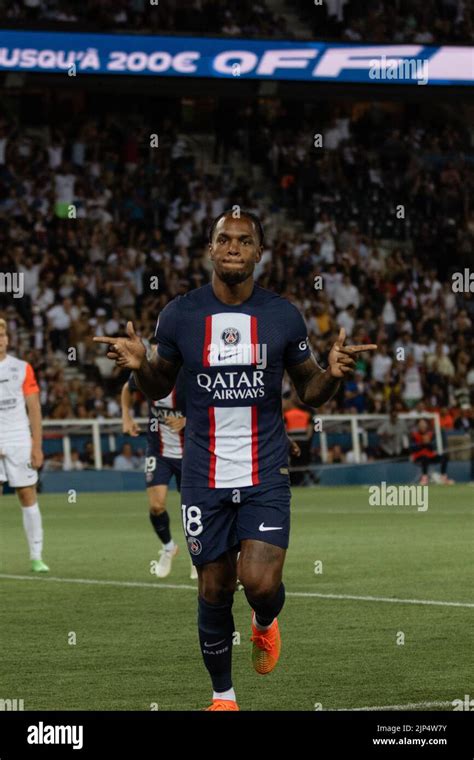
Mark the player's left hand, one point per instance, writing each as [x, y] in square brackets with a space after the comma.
[295, 450]
[37, 457]
[176, 423]
[341, 358]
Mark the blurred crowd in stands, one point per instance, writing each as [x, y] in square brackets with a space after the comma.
[421, 22]
[399, 21]
[243, 18]
[363, 233]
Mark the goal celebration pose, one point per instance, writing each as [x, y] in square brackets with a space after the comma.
[234, 340]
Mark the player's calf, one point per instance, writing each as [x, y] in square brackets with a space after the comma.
[216, 626]
[33, 527]
[160, 521]
[266, 604]
[260, 571]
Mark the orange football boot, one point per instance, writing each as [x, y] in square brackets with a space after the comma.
[222, 704]
[266, 647]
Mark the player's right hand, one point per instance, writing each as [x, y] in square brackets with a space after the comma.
[130, 427]
[295, 450]
[126, 352]
[175, 423]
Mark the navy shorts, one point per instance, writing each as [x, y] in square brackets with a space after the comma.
[218, 519]
[159, 470]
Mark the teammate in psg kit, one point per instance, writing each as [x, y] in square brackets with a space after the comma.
[164, 452]
[234, 340]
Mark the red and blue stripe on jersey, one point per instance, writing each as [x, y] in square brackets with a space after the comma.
[233, 361]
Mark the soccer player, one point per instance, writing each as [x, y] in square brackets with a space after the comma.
[21, 452]
[164, 452]
[234, 340]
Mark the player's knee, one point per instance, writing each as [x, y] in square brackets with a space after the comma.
[260, 586]
[215, 592]
[26, 495]
[157, 508]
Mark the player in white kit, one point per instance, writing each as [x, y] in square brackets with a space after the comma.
[21, 452]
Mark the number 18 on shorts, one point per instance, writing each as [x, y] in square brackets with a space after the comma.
[218, 519]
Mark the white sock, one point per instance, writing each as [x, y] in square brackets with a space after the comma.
[169, 546]
[261, 627]
[33, 530]
[229, 694]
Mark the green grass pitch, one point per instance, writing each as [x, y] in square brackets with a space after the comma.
[136, 645]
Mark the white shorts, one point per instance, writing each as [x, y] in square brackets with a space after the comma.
[15, 465]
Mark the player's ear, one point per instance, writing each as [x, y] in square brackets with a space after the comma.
[210, 250]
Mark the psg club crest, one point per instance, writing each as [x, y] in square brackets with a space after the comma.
[231, 336]
[195, 546]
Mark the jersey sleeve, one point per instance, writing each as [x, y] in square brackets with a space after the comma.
[29, 383]
[133, 387]
[180, 392]
[165, 332]
[297, 349]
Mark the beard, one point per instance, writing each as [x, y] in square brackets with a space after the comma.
[233, 278]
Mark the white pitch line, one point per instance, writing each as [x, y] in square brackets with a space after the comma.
[94, 582]
[433, 602]
[176, 586]
[409, 706]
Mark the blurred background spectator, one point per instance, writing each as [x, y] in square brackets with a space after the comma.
[412, 21]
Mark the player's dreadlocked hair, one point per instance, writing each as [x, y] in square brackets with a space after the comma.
[248, 214]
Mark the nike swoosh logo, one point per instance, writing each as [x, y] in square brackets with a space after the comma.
[227, 356]
[263, 527]
[214, 644]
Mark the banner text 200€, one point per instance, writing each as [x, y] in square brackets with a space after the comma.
[74, 53]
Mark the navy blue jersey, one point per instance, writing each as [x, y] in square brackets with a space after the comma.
[161, 438]
[233, 362]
